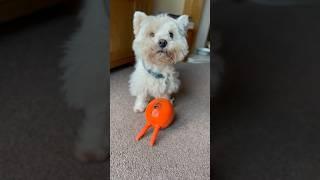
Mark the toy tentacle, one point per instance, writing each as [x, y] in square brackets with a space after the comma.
[143, 131]
[154, 135]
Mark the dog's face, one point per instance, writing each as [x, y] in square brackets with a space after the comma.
[160, 39]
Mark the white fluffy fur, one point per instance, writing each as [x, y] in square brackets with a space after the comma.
[148, 31]
[85, 67]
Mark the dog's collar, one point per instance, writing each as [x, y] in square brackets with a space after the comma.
[152, 73]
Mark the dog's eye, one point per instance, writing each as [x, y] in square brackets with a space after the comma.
[171, 34]
[151, 34]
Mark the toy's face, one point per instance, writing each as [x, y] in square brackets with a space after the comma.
[159, 112]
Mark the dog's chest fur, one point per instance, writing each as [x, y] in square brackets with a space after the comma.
[142, 81]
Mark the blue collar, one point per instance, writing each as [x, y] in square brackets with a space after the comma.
[152, 73]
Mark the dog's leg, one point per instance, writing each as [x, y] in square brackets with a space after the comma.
[141, 103]
[92, 143]
[173, 100]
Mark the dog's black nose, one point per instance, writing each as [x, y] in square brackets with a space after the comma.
[162, 43]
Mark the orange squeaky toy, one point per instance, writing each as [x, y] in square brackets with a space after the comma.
[159, 114]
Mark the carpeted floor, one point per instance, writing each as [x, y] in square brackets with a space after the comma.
[38, 130]
[182, 150]
[267, 120]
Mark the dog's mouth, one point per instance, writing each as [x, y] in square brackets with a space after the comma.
[169, 57]
[161, 51]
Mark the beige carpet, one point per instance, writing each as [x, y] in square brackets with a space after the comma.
[182, 151]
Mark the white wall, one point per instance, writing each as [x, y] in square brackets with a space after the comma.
[169, 6]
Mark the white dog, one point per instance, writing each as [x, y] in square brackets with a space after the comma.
[85, 79]
[159, 43]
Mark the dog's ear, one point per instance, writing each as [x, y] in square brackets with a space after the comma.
[183, 21]
[138, 17]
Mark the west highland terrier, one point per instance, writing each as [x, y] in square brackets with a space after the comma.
[160, 42]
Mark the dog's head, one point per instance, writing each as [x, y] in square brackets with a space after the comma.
[160, 39]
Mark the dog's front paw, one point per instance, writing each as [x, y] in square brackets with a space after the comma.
[138, 108]
[140, 104]
[172, 100]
